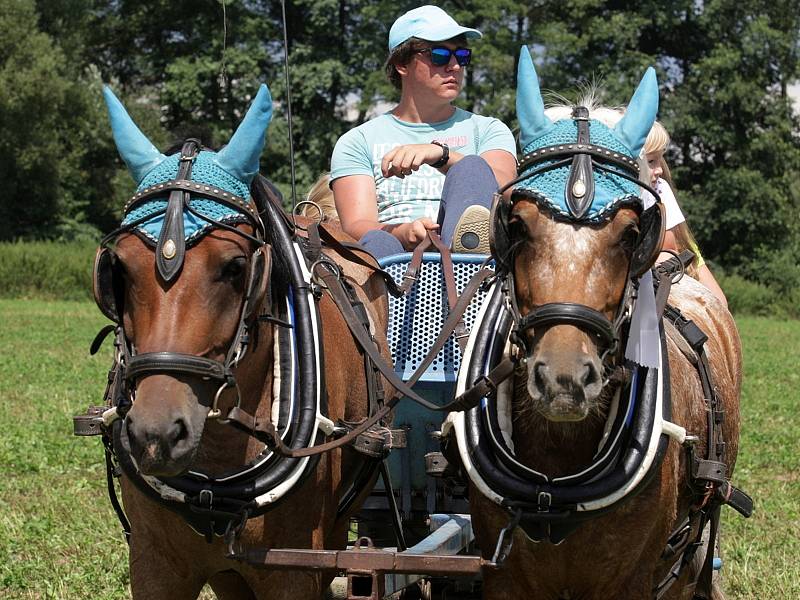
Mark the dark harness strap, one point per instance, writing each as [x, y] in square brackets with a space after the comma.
[266, 433]
[709, 475]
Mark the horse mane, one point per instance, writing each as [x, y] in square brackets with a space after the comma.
[264, 191]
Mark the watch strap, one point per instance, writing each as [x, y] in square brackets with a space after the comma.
[445, 155]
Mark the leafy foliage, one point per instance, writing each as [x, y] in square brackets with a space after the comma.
[183, 67]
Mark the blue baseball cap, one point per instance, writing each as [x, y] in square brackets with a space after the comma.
[429, 23]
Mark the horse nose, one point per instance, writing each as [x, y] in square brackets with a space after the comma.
[564, 388]
[541, 377]
[548, 379]
[589, 375]
[158, 447]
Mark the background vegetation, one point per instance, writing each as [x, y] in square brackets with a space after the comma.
[59, 537]
[725, 68]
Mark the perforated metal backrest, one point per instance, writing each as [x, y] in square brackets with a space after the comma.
[416, 319]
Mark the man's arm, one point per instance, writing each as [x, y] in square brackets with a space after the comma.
[357, 205]
[403, 160]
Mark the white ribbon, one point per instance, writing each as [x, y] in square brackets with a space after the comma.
[644, 338]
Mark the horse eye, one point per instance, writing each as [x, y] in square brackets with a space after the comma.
[234, 269]
[629, 238]
[518, 225]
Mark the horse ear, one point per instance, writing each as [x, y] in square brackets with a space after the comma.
[533, 123]
[136, 150]
[640, 114]
[241, 156]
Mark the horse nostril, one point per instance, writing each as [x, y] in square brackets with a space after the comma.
[590, 375]
[178, 432]
[539, 374]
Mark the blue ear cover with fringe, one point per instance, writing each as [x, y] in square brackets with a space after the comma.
[537, 132]
[533, 123]
[134, 147]
[640, 114]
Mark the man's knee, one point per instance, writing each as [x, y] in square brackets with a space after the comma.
[472, 165]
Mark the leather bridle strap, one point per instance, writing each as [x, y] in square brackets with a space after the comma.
[448, 273]
[569, 313]
[266, 433]
[409, 277]
[148, 363]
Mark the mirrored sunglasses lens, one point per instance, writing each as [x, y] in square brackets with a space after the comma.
[463, 56]
[440, 56]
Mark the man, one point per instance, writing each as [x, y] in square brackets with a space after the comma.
[425, 165]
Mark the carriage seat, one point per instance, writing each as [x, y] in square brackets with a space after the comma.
[416, 319]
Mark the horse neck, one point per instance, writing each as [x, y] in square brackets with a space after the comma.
[553, 448]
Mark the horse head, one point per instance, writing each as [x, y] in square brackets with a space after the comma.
[184, 278]
[573, 238]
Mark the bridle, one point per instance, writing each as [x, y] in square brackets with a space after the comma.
[170, 252]
[583, 158]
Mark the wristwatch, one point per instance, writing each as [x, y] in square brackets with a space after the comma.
[445, 155]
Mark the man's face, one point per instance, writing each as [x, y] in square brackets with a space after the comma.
[443, 81]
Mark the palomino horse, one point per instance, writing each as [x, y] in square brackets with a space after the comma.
[583, 484]
[218, 313]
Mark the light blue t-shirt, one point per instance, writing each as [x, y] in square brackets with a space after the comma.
[360, 151]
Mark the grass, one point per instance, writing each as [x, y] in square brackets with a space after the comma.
[762, 554]
[59, 537]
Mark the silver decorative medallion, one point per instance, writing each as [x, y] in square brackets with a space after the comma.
[168, 251]
[578, 189]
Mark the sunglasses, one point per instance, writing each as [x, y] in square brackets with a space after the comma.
[440, 55]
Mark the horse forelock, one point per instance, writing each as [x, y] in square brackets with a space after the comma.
[608, 116]
[564, 261]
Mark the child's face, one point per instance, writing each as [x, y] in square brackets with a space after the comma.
[654, 162]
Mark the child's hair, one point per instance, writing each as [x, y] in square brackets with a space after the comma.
[658, 141]
[684, 238]
[321, 195]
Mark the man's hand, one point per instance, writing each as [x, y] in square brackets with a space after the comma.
[404, 160]
[411, 234]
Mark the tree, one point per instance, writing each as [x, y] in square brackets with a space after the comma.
[724, 67]
[39, 106]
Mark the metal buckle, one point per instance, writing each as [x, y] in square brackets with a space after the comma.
[544, 502]
[502, 550]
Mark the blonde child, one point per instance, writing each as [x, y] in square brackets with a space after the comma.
[678, 236]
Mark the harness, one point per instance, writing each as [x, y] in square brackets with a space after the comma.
[213, 505]
[638, 428]
[550, 509]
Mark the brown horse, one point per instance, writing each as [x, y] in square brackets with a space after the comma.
[570, 266]
[233, 278]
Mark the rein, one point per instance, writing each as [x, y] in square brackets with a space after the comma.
[332, 284]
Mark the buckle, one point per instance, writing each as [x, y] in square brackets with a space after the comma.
[89, 423]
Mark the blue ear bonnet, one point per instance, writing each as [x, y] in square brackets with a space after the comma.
[216, 183]
[550, 187]
[205, 171]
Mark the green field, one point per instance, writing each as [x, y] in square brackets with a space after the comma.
[59, 537]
